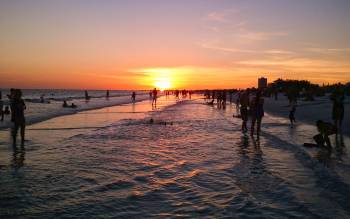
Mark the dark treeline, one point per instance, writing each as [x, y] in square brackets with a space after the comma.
[304, 89]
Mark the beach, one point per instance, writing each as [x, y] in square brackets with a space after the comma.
[309, 111]
[192, 161]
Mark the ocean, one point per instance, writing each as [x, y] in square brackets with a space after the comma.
[191, 162]
[53, 100]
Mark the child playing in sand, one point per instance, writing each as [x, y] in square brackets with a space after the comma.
[322, 140]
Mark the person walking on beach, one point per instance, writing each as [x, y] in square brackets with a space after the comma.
[11, 98]
[292, 115]
[244, 101]
[238, 100]
[154, 96]
[257, 112]
[133, 97]
[18, 116]
[1, 107]
[338, 107]
[219, 99]
[224, 97]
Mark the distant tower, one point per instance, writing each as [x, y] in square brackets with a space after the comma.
[262, 83]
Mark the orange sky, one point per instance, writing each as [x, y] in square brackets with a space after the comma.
[182, 44]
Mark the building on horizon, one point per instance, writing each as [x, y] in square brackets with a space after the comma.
[262, 83]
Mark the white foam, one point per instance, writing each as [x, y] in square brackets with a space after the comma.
[37, 112]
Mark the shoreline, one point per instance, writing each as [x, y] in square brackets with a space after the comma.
[308, 111]
[68, 111]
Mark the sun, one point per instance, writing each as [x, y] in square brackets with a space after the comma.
[162, 84]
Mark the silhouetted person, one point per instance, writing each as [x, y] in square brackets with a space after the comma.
[325, 129]
[107, 94]
[7, 110]
[177, 92]
[87, 97]
[154, 96]
[65, 105]
[73, 106]
[1, 107]
[219, 99]
[292, 115]
[244, 101]
[133, 97]
[11, 98]
[338, 108]
[18, 116]
[257, 113]
[223, 99]
[238, 99]
[42, 100]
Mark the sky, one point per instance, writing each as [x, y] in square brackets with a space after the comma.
[193, 44]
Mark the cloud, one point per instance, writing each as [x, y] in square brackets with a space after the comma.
[327, 50]
[299, 65]
[225, 49]
[279, 52]
[260, 36]
[239, 50]
[222, 16]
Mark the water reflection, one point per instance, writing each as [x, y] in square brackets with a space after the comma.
[133, 108]
[18, 157]
[339, 146]
[243, 146]
[257, 155]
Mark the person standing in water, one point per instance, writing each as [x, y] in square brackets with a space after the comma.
[238, 100]
[244, 101]
[292, 115]
[1, 107]
[154, 96]
[18, 116]
[257, 112]
[107, 94]
[133, 97]
[338, 107]
[87, 97]
[11, 98]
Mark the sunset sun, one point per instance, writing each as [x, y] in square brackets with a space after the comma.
[162, 85]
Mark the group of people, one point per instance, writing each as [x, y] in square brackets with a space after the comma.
[219, 95]
[326, 129]
[249, 103]
[65, 105]
[251, 106]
